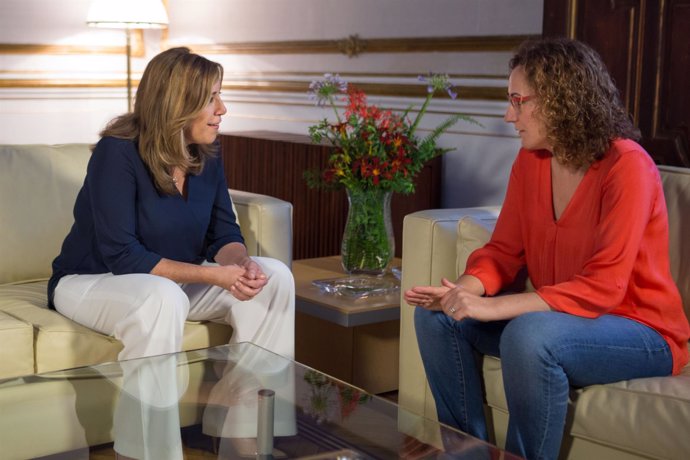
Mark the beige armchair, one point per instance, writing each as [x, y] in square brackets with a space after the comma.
[635, 419]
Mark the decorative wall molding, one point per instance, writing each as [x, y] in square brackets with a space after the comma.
[28, 48]
[138, 49]
[273, 86]
[351, 46]
[354, 45]
[378, 89]
[60, 83]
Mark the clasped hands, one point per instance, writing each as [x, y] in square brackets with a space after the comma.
[451, 298]
[244, 281]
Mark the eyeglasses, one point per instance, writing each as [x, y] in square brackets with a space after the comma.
[516, 100]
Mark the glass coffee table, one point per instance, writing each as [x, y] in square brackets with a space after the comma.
[233, 401]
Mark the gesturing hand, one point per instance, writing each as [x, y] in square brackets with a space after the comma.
[459, 303]
[428, 297]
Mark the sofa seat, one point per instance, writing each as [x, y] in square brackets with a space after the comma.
[60, 343]
[17, 350]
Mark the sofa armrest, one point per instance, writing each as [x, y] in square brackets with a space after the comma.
[266, 224]
[429, 254]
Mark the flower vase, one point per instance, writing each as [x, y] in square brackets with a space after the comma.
[368, 245]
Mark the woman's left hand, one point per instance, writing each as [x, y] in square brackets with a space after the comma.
[459, 303]
[251, 283]
[425, 296]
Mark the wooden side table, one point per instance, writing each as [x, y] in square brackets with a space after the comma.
[356, 340]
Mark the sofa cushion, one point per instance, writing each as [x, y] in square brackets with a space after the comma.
[676, 182]
[17, 346]
[61, 343]
[473, 233]
[38, 187]
[608, 414]
[262, 219]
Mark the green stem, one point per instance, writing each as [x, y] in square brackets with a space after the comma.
[332, 102]
[368, 243]
[421, 113]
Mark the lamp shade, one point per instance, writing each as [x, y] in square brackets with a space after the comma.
[127, 14]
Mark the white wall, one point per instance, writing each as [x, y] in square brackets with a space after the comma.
[69, 82]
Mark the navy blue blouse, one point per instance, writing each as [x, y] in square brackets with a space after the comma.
[122, 224]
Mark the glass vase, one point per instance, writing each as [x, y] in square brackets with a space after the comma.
[368, 245]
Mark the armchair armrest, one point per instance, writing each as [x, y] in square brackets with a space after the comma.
[266, 224]
[429, 254]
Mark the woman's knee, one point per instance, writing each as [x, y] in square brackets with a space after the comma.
[425, 322]
[531, 334]
[277, 272]
[156, 317]
[166, 295]
[431, 323]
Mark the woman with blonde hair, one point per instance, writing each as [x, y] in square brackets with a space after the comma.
[155, 241]
[585, 214]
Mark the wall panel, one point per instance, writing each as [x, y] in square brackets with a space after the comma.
[646, 46]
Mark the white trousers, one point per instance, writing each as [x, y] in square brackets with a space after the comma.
[147, 312]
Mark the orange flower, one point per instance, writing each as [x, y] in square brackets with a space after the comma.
[375, 147]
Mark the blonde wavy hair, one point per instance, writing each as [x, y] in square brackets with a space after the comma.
[175, 87]
[576, 99]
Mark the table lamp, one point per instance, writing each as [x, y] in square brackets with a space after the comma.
[128, 15]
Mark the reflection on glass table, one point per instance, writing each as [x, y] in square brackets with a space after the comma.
[206, 402]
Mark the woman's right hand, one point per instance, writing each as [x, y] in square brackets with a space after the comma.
[231, 277]
[227, 276]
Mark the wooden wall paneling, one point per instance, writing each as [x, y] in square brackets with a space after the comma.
[646, 47]
[667, 128]
[557, 21]
[651, 80]
[273, 164]
[615, 29]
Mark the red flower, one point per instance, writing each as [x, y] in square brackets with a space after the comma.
[357, 102]
[329, 175]
[376, 147]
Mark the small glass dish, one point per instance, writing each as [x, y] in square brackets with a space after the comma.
[359, 286]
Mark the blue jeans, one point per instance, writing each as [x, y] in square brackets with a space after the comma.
[542, 355]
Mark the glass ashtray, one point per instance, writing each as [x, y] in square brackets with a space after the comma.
[358, 286]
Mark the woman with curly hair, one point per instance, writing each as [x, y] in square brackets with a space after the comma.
[585, 214]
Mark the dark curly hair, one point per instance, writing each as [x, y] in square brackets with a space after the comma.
[577, 99]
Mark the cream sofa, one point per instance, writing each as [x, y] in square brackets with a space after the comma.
[38, 187]
[635, 419]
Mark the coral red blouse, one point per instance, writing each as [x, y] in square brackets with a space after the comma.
[607, 253]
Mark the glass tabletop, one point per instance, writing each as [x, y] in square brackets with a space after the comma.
[233, 401]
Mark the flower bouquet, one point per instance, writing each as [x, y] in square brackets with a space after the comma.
[377, 152]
